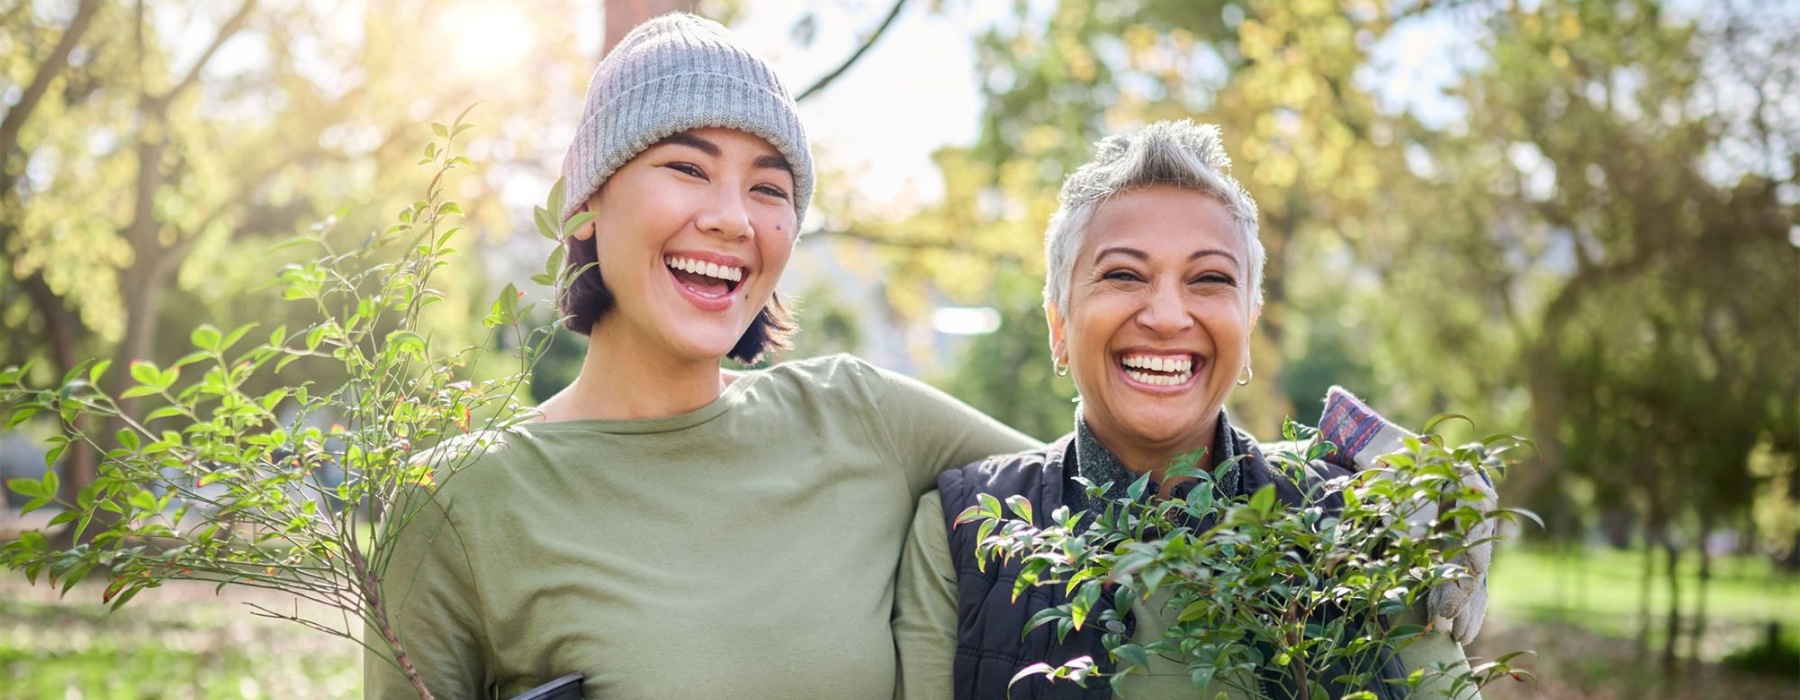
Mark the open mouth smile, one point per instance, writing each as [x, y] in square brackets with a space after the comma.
[1158, 370]
[706, 280]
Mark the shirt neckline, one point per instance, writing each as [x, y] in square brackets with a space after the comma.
[733, 395]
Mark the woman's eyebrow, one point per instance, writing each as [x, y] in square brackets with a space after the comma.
[692, 141]
[772, 160]
[1121, 250]
[1198, 254]
[1141, 255]
[775, 161]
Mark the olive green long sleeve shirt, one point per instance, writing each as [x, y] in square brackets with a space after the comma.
[744, 550]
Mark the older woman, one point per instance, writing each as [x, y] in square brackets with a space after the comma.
[1153, 286]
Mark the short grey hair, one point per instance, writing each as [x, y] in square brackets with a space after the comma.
[1179, 153]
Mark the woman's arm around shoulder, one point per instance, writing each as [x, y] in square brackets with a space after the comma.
[924, 619]
[930, 431]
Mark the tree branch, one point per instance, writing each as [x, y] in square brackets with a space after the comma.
[887, 21]
[47, 72]
[230, 28]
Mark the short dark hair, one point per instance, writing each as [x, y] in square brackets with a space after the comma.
[586, 300]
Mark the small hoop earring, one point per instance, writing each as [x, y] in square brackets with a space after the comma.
[1248, 374]
[1062, 370]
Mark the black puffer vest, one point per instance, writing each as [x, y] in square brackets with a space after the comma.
[989, 648]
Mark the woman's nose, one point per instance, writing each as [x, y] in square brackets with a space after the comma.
[1164, 312]
[724, 213]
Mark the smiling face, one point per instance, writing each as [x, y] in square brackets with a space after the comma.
[691, 237]
[1158, 325]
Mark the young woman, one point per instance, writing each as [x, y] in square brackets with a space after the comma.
[672, 529]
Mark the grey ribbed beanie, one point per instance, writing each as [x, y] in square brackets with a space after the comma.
[674, 73]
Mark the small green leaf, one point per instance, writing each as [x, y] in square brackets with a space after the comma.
[1194, 611]
[205, 337]
[1020, 506]
[1263, 501]
[98, 371]
[19, 416]
[990, 506]
[29, 488]
[144, 372]
[407, 343]
[164, 412]
[576, 222]
[1084, 602]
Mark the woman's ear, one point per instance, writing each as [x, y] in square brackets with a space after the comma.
[1059, 346]
[587, 230]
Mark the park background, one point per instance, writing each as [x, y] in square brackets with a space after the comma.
[1573, 220]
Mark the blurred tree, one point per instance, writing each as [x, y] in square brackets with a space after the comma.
[1007, 374]
[1610, 222]
[148, 159]
[1279, 77]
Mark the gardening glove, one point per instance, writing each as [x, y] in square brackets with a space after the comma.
[1363, 436]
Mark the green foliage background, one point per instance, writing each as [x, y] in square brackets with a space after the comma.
[1590, 238]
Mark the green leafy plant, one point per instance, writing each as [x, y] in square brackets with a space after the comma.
[1255, 587]
[208, 484]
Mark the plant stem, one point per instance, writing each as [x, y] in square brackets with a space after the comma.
[378, 614]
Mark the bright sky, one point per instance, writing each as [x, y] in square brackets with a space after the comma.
[916, 90]
[911, 94]
[879, 123]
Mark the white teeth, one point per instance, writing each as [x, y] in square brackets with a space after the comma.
[714, 270]
[1159, 379]
[1157, 370]
[1159, 363]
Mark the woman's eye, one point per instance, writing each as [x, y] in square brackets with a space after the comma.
[1121, 276]
[1215, 278]
[772, 191]
[687, 169]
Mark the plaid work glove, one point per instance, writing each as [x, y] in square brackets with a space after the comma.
[1457, 607]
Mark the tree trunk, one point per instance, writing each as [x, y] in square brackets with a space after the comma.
[1697, 634]
[63, 331]
[623, 15]
[1672, 627]
[1644, 586]
[1546, 427]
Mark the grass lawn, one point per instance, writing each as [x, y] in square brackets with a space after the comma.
[1601, 589]
[180, 641]
[1578, 611]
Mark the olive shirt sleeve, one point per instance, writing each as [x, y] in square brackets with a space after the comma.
[427, 589]
[925, 606]
[930, 431]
